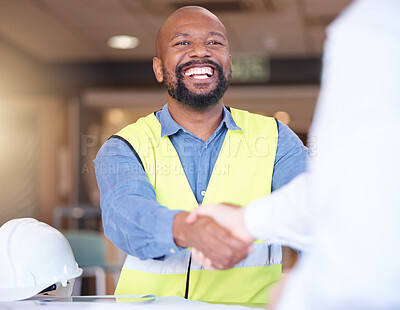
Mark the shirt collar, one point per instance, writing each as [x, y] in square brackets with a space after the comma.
[170, 127]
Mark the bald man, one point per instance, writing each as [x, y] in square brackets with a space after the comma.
[195, 150]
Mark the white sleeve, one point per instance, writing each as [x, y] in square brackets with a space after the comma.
[285, 216]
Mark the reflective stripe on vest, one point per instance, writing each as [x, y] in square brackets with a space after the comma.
[242, 173]
[177, 264]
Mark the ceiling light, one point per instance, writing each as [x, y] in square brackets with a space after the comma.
[123, 42]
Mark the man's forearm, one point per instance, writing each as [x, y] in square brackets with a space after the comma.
[140, 227]
[133, 219]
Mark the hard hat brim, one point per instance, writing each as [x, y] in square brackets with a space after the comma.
[12, 294]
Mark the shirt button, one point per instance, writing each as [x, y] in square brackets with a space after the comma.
[172, 251]
[203, 193]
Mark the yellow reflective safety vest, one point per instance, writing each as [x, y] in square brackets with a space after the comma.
[242, 173]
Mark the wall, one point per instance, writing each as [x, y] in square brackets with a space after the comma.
[33, 137]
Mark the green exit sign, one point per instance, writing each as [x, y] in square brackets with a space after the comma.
[250, 69]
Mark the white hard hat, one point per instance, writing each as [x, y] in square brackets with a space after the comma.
[33, 256]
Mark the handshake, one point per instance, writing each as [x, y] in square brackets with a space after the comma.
[216, 233]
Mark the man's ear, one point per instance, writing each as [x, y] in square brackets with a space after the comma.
[157, 68]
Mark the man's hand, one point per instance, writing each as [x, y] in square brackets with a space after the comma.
[215, 243]
[228, 215]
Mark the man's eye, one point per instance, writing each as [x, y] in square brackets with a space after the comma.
[214, 43]
[182, 43]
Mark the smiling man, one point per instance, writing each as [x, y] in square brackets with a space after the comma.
[195, 150]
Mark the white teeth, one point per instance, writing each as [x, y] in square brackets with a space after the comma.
[201, 77]
[205, 72]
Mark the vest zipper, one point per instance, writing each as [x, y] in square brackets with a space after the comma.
[187, 277]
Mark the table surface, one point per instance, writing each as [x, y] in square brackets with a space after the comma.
[149, 302]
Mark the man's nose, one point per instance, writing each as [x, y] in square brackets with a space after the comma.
[200, 50]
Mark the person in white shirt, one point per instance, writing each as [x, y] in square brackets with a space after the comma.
[344, 213]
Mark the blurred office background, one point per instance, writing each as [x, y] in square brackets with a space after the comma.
[64, 90]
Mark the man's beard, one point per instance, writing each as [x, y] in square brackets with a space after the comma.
[181, 93]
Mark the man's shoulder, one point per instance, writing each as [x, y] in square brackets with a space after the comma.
[250, 114]
[251, 118]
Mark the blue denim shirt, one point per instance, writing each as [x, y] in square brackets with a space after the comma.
[132, 217]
